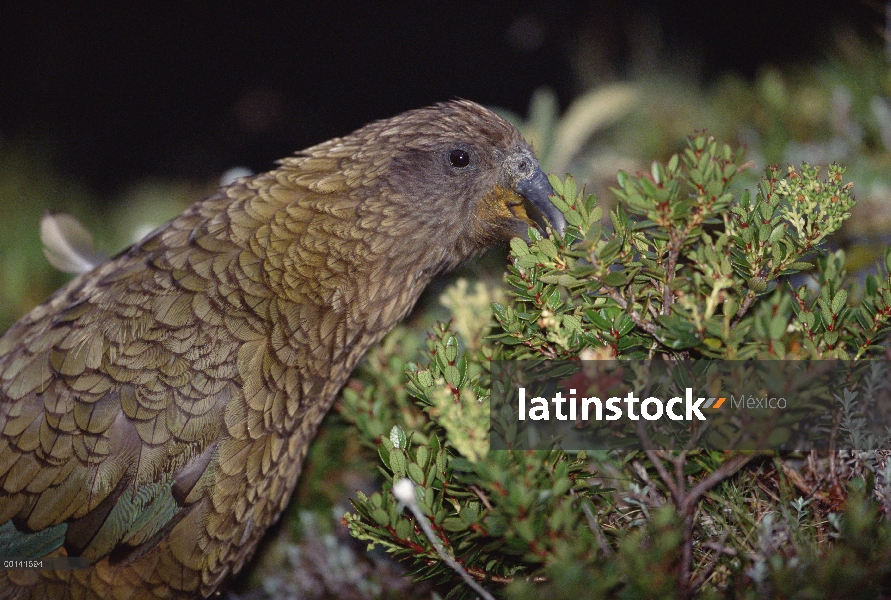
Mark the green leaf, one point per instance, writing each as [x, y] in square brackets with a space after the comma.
[397, 437]
[556, 183]
[561, 487]
[452, 376]
[499, 311]
[416, 473]
[622, 178]
[397, 464]
[838, 302]
[380, 517]
[519, 247]
[596, 214]
[801, 266]
[470, 514]
[616, 278]
[600, 319]
[404, 528]
[610, 250]
[453, 524]
[451, 349]
[425, 378]
[441, 461]
[777, 327]
[421, 455]
[808, 318]
[574, 218]
[527, 261]
[561, 279]
[384, 453]
[656, 172]
[757, 284]
[776, 233]
[673, 163]
[825, 312]
[548, 248]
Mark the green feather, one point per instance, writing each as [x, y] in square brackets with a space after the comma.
[20, 544]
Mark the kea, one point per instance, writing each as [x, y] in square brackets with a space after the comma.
[155, 412]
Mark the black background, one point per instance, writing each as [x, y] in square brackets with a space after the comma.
[122, 91]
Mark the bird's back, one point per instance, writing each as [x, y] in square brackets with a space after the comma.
[155, 412]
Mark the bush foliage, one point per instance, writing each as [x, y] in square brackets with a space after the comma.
[689, 266]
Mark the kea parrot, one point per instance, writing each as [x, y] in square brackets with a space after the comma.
[155, 412]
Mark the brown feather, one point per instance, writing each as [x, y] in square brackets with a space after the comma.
[184, 379]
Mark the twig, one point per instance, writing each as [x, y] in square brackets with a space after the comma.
[654, 457]
[404, 490]
[743, 308]
[723, 472]
[479, 494]
[593, 525]
[635, 316]
[676, 242]
[686, 500]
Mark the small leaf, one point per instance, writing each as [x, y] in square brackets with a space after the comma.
[451, 349]
[499, 311]
[777, 327]
[548, 248]
[599, 320]
[425, 378]
[397, 464]
[556, 183]
[380, 516]
[421, 455]
[519, 247]
[561, 487]
[616, 278]
[757, 284]
[527, 261]
[404, 528]
[453, 524]
[673, 163]
[596, 213]
[609, 250]
[622, 178]
[397, 437]
[573, 218]
[838, 302]
[470, 514]
[416, 473]
[452, 376]
[825, 312]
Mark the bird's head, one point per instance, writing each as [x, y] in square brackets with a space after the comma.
[454, 175]
[471, 172]
[427, 188]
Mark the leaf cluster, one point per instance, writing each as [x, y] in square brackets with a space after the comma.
[685, 266]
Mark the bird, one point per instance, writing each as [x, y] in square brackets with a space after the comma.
[155, 411]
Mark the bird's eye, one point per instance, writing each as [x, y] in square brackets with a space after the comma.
[459, 158]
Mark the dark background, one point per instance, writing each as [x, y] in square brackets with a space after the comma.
[120, 93]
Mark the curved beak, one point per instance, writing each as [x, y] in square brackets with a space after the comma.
[536, 189]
